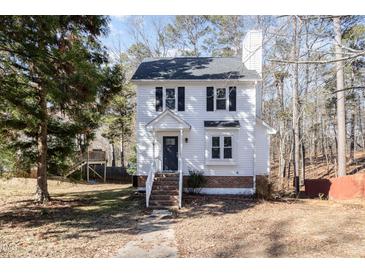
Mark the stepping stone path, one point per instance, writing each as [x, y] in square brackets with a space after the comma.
[156, 238]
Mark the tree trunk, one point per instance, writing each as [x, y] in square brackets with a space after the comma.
[280, 92]
[42, 194]
[341, 123]
[296, 141]
[360, 121]
[114, 154]
[352, 138]
[303, 162]
[122, 151]
[353, 118]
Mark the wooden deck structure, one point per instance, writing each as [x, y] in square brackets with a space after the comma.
[90, 159]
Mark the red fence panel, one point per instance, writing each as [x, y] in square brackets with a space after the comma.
[340, 188]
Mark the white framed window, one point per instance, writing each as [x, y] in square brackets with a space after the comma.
[227, 147]
[170, 98]
[216, 147]
[221, 99]
[221, 147]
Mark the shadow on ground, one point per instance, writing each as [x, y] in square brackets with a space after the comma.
[199, 205]
[216, 205]
[104, 211]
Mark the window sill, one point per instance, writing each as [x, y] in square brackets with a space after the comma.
[220, 163]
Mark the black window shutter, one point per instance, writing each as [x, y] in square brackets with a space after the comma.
[232, 98]
[158, 98]
[181, 98]
[210, 98]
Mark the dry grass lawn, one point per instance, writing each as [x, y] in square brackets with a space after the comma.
[96, 220]
[212, 227]
[83, 220]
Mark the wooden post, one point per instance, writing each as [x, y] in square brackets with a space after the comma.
[87, 165]
[104, 171]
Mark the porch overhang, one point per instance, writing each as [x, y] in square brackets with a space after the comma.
[168, 121]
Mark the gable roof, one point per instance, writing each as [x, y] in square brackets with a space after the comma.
[163, 122]
[194, 68]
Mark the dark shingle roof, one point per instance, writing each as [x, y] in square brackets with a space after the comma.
[193, 68]
[234, 123]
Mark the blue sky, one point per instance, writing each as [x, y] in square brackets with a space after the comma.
[118, 33]
[120, 37]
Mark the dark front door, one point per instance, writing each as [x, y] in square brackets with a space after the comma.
[170, 151]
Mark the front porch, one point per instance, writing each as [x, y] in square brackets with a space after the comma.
[168, 133]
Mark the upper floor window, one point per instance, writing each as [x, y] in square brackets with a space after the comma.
[221, 98]
[166, 98]
[170, 98]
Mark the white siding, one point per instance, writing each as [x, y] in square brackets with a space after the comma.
[259, 100]
[195, 114]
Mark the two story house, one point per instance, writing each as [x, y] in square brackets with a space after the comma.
[201, 113]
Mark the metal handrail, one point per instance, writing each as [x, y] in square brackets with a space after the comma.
[149, 182]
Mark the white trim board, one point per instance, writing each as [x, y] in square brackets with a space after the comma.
[196, 80]
[182, 124]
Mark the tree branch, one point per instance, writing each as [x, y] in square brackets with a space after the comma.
[319, 61]
[349, 88]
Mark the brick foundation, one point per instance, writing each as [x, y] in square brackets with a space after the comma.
[225, 181]
[215, 181]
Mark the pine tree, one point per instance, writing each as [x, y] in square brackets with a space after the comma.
[121, 109]
[50, 78]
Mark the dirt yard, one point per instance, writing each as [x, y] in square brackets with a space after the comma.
[82, 220]
[96, 220]
[211, 227]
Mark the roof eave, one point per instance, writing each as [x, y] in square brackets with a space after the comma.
[195, 80]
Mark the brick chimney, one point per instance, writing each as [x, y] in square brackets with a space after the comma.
[252, 50]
